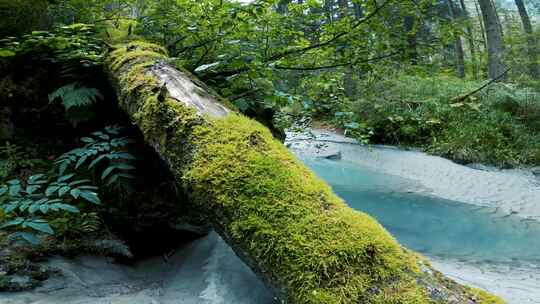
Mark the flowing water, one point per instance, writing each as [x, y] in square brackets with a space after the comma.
[476, 245]
[481, 245]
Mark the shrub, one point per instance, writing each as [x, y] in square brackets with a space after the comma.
[498, 125]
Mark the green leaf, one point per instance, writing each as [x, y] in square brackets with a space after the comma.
[126, 175]
[78, 182]
[63, 190]
[112, 179]
[14, 222]
[87, 187]
[10, 207]
[81, 161]
[7, 53]
[114, 130]
[75, 193]
[67, 207]
[64, 178]
[27, 236]
[31, 189]
[51, 190]
[33, 208]
[14, 190]
[91, 197]
[123, 155]
[25, 204]
[123, 166]
[35, 179]
[63, 166]
[95, 161]
[88, 140]
[40, 225]
[14, 182]
[107, 172]
[3, 190]
[44, 208]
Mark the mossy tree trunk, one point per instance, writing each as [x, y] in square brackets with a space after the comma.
[280, 219]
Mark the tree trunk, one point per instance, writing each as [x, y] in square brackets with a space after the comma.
[470, 39]
[349, 83]
[498, 18]
[532, 44]
[410, 31]
[279, 217]
[283, 6]
[495, 46]
[458, 46]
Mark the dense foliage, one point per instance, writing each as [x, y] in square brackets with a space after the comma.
[393, 72]
[31, 201]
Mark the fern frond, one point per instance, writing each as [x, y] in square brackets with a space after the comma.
[76, 95]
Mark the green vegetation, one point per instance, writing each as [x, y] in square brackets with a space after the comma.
[254, 180]
[29, 204]
[407, 73]
[274, 209]
[498, 125]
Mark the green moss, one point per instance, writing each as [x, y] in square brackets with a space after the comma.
[289, 222]
[484, 297]
[289, 219]
[136, 50]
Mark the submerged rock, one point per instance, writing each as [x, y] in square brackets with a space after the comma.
[331, 155]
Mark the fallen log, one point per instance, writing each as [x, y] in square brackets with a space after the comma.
[283, 221]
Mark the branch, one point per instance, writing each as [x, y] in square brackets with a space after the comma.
[338, 64]
[243, 94]
[195, 46]
[224, 73]
[331, 40]
[464, 97]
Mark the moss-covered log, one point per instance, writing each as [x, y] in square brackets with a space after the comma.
[278, 217]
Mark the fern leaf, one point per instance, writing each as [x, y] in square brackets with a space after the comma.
[76, 95]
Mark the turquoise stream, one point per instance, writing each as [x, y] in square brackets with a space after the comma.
[432, 226]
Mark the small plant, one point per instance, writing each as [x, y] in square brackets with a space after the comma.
[102, 148]
[14, 157]
[76, 99]
[29, 201]
[31, 205]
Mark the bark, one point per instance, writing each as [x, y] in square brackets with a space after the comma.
[498, 18]
[349, 83]
[410, 30]
[458, 46]
[481, 22]
[470, 39]
[283, 6]
[532, 44]
[278, 217]
[495, 46]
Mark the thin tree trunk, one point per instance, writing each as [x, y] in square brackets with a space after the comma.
[495, 45]
[532, 43]
[499, 23]
[411, 52]
[481, 22]
[470, 39]
[458, 46]
[349, 84]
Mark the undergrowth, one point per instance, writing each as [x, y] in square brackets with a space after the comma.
[499, 125]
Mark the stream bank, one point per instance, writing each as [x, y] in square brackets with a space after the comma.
[505, 191]
[477, 225]
[206, 271]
